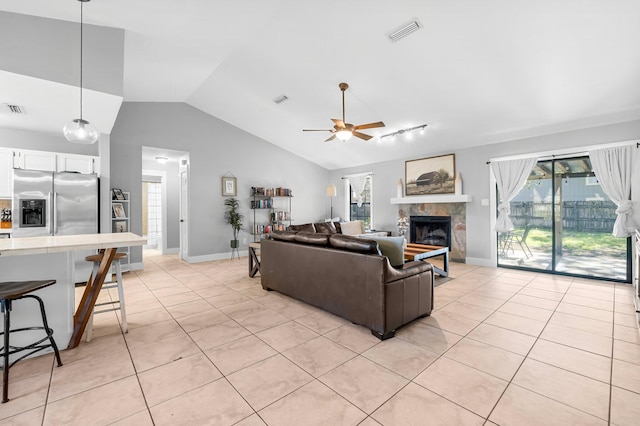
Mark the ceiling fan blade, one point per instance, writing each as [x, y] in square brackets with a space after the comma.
[369, 126]
[317, 130]
[362, 136]
[339, 123]
[331, 138]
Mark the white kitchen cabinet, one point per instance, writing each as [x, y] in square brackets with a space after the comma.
[35, 160]
[6, 173]
[77, 163]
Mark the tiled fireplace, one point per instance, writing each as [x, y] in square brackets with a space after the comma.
[453, 213]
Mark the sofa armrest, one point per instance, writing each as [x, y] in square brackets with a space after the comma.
[408, 269]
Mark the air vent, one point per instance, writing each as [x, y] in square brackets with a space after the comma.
[280, 99]
[14, 109]
[404, 30]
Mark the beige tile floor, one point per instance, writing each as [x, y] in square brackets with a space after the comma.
[207, 345]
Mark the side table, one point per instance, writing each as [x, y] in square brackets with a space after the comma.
[254, 260]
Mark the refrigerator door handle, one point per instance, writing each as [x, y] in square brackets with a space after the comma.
[54, 215]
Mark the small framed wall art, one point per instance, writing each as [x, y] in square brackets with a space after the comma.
[433, 175]
[118, 211]
[229, 186]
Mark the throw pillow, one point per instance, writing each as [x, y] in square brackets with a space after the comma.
[325, 228]
[392, 247]
[353, 227]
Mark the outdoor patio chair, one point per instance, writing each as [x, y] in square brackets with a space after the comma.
[521, 240]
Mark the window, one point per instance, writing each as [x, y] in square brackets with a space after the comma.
[364, 212]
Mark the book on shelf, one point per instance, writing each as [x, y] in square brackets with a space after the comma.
[261, 204]
[256, 190]
[280, 216]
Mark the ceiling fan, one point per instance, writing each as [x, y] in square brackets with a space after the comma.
[343, 130]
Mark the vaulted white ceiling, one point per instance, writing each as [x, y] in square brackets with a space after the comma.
[477, 72]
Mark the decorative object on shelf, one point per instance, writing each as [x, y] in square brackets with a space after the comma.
[433, 175]
[402, 131]
[229, 186]
[80, 130]
[120, 226]
[399, 189]
[118, 211]
[331, 192]
[458, 184]
[403, 224]
[343, 130]
[116, 194]
[234, 218]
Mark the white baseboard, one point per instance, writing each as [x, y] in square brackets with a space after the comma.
[138, 266]
[216, 256]
[174, 250]
[480, 261]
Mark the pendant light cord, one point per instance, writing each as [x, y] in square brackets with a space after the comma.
[81, 50]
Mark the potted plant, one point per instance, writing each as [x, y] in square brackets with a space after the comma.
[233, 217]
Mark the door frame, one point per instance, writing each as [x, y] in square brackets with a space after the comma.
[184, 171]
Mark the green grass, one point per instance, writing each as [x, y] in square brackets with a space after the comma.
[578, 243]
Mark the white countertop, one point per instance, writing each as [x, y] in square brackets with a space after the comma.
[61, 243]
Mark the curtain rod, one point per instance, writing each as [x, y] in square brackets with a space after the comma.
[547, 156]
[356, 174]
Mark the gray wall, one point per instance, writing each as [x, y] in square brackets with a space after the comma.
[216, 149]
[40, 141]
[49, 49]
[471, 163]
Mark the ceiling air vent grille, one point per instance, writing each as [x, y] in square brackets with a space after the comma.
[280, 99]
[404, 30]
[14, 109]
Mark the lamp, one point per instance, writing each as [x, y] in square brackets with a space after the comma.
[80, 130]
[344, 134]
[331, 192]
[162, 160]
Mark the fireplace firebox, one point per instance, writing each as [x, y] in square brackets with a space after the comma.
[431, 230]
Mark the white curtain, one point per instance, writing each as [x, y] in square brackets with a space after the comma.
[357, 184]
[511, 176]
[612, 167]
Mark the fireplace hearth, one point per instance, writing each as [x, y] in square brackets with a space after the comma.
[431, 230]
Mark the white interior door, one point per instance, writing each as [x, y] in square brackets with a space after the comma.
[184, 214]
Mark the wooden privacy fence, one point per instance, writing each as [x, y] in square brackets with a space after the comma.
[588, 216]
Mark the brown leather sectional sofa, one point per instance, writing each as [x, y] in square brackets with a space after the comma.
[346, 276]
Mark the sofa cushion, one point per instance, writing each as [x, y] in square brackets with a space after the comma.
[307, 227]
[312, 238]
[392, 247]
[325, 228]
[359, 245]
[283, 235]
[353, 227]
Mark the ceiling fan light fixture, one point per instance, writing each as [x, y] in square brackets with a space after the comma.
[79, 130]
[344, 135]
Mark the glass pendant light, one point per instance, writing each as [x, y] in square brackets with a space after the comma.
[79, 130]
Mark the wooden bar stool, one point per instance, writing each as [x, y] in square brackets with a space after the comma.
[9, 292]
[96, 259]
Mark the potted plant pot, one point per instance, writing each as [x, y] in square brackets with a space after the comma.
[235, 244]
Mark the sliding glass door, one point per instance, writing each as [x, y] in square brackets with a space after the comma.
[563, 222]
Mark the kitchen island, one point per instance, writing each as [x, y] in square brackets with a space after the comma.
[52, 257]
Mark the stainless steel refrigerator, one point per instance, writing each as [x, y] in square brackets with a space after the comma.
[50, 203]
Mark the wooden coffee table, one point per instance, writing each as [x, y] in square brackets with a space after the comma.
[422, 251]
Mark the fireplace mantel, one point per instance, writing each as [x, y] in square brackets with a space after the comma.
[431, 199]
